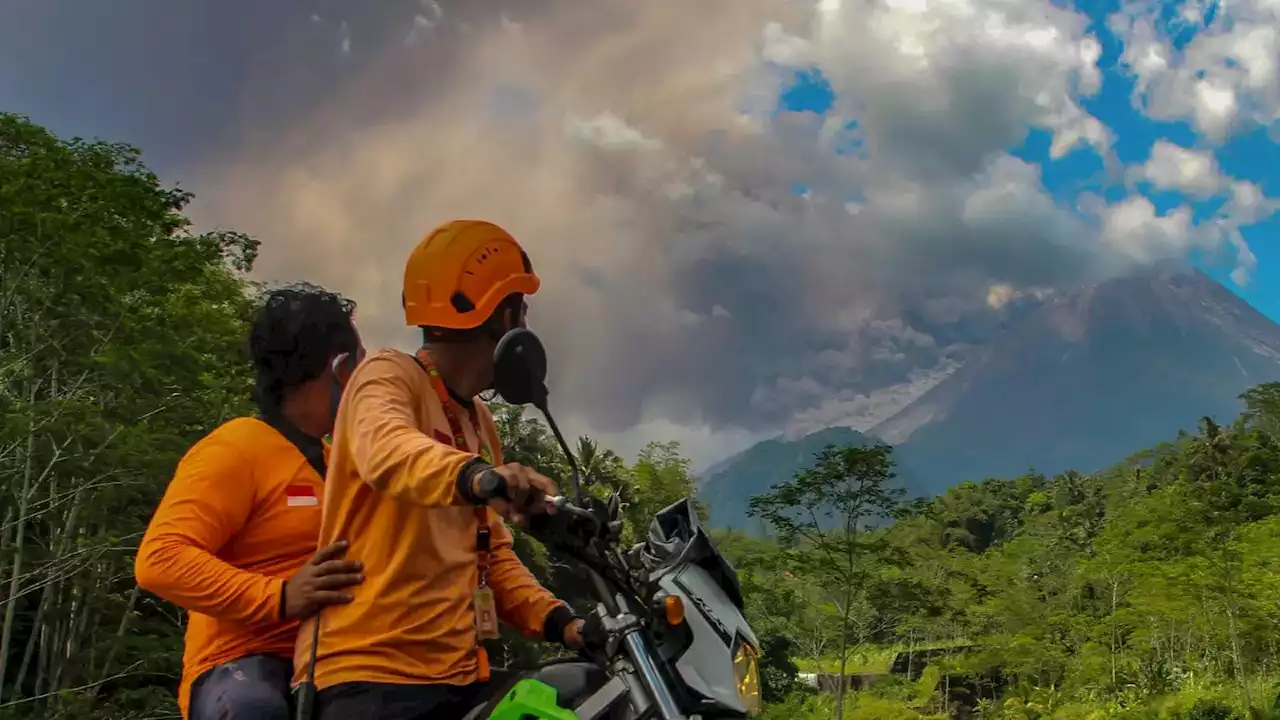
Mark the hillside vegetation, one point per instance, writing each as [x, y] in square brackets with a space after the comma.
[729, 486]
[1149, 590]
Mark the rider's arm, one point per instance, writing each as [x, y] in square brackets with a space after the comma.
[208, 501]
[391, 452]
[521, 601]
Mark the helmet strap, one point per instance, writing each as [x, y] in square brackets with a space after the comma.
[502, 321]
[496, 330]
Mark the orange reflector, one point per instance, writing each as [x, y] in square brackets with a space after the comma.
[675, 609]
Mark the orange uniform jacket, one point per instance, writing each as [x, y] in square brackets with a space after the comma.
[241, 516]
[391, 493]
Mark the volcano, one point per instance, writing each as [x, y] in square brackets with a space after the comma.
[1080, 382]
[1089, 378]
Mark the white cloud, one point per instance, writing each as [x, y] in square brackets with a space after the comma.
[1135, 227]
[1224, 80]
[1174, 167]
[701, 444]
[1246, 205]
[940, 88]
[427, 17]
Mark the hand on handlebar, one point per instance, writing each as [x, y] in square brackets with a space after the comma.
[588, 636]
[517, 491]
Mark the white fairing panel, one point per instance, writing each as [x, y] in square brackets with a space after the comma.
[707, 666]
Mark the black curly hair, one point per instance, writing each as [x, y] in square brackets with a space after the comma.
[297, 333]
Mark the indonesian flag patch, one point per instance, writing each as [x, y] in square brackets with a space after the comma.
[301, 496]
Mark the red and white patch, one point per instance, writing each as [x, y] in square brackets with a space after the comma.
[301, 496]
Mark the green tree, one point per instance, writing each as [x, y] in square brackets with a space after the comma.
[777, 607]
[1262, 408]
[847, 489]
[659, 477]
[121, 339]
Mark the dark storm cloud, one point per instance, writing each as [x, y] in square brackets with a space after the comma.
[184, 80]
[160, 74]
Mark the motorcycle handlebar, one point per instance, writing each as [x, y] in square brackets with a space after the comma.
[495, 486]
[564, 504]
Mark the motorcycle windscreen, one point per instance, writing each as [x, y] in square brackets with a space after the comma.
[676, 536]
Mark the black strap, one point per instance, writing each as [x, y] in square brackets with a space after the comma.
[465, 403]
[312, 448]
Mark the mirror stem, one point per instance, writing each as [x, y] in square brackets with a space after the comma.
[568, 454]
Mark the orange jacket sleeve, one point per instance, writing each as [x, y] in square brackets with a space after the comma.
[391, 453]
[522, 602]
[208, 501]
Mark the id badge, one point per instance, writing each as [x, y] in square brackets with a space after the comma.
[486, 614]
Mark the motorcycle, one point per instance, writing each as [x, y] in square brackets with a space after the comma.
[676, 644]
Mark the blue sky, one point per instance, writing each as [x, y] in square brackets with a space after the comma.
[1250, 156]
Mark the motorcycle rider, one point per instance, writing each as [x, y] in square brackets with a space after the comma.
[233, 541]
[412, 484]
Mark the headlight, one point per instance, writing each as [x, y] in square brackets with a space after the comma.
[746, 671]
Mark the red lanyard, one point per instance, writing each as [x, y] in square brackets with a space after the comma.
[460, 442]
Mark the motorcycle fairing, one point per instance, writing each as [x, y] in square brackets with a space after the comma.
[683, 561]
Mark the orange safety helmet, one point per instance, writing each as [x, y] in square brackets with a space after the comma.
[456, 277]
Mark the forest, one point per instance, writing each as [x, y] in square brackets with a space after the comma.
[1151, 589]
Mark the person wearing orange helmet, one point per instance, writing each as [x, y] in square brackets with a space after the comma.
[413, 485]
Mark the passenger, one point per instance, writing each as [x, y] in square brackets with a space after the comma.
[234, 539]
[410, 484]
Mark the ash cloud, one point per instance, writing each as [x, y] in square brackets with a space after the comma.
[636, 150]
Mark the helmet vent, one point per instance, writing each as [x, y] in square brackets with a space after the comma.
[461, 302]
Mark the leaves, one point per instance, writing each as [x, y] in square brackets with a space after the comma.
[120, 344]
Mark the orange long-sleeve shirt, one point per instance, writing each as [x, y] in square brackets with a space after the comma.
[391, 493]
[241, 515]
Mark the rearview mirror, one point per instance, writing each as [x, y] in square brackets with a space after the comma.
[520, 369]
[520, 377]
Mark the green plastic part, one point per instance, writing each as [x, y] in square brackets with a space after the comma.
[531, 699]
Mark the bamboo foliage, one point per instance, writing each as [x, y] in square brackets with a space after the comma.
[120, 337]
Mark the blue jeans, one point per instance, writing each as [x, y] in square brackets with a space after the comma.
[255, 687]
